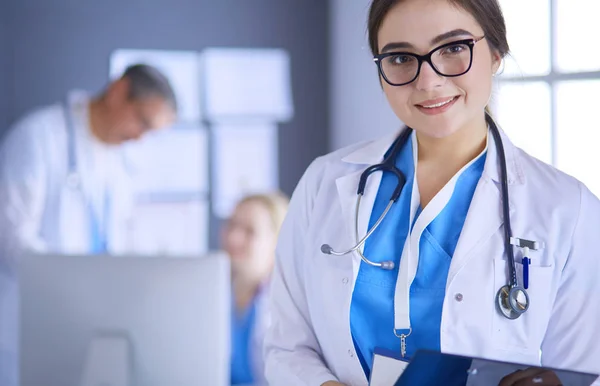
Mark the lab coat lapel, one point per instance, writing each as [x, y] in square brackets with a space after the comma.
[485, 212]
[483, 220]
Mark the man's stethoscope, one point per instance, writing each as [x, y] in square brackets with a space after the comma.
[74, 181]
[512, 299]
[73, 177]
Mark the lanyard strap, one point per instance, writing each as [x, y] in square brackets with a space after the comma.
[409, 260]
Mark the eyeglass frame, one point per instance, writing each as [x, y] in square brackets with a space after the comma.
[426, 58]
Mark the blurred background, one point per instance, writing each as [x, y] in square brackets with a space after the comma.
[263, 87]
[332, 96]
[50, 48]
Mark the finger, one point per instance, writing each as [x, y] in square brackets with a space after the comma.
[543, 378]
[513, 378]
[509, 379]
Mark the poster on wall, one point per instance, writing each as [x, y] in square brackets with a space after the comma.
[177, 228]
[244, 84]
[170, 161]
[245, 160]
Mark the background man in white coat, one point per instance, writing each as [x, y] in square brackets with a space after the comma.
[63, 180]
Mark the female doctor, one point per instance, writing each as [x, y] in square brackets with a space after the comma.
[485, 251]
[249, 239]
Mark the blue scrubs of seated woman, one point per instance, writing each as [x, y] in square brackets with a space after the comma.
[249, 239]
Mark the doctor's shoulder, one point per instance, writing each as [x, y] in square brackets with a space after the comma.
[318, 171]
[557, 196]
[28, 140]
[37, 124]
[314, 187]
[551, 183]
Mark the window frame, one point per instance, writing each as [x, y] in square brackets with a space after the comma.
[553, 77]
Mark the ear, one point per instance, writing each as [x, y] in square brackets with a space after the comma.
[496, 61]
[118, 91]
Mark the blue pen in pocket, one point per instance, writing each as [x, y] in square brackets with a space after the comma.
[527, 246]
[526, 262]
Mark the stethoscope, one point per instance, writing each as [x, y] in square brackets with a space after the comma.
[74, 181]
[512, 300]
[73, 177]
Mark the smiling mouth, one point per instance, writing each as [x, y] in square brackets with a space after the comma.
[437, 105]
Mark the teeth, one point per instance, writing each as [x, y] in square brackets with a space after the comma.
[439, 104]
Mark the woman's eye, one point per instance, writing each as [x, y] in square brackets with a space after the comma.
[401, 59]
[455, 49]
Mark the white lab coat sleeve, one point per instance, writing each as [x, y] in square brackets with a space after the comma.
[23, 186]
[292, 354]
[263, 321]
[572, 339]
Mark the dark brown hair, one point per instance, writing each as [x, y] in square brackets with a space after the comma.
[487, 13]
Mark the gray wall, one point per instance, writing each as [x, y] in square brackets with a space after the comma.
[63, 44]
[5, 54]
[359, 110]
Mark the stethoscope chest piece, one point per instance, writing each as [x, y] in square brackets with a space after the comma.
[512, 302]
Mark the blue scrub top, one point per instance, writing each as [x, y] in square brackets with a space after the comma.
[242, 326]
[372, 307]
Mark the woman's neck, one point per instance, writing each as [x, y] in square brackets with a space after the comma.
[456, 150]
[245, 288]
[439, 159]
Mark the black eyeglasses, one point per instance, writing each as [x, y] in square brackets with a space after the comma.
[450, 59]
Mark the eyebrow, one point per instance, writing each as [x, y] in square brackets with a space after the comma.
[434, 41]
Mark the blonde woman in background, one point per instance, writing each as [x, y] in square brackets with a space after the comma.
[249, 238]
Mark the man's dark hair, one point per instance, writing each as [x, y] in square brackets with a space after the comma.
[146, 81]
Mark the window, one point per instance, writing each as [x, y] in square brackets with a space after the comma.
[577, 130]
[576, 40]
[548, 90]
[523, 111]
[528, 33]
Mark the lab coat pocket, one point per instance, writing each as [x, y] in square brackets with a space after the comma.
[526, 332]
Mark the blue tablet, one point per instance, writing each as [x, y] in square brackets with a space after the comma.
[432, 368]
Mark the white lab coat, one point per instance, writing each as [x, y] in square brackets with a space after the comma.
[310, 341]
[261, 325]
[37, 209]
[38, 212]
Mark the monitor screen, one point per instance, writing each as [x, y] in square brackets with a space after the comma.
[152, 321]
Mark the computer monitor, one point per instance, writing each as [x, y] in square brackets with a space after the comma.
[168, 318]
